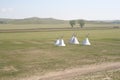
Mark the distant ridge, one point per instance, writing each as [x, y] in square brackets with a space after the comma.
[32, 20]
[37, 20]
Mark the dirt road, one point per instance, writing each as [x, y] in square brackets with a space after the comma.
[71, 73]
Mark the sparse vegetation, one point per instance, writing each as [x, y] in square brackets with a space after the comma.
[104, 75]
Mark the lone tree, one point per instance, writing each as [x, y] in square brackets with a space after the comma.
[72, 23]
[81, 23]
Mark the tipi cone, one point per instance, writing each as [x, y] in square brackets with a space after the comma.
[61, 42]
[86, 42]
[74, 40]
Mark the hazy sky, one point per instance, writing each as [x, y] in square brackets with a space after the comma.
[61, 9]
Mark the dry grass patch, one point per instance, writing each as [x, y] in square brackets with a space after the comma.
[9, 69]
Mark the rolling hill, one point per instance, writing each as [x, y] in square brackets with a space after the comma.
[36, 20]
[32, 20]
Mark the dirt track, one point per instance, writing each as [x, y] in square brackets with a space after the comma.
[71, 73]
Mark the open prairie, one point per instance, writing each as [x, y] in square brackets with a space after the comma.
[58, 25]
[27, 54]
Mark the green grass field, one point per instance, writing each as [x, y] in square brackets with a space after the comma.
[65, 25]
[32, 53]
[31, 26]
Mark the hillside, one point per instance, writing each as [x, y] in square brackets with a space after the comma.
[36, 20]
[32, 20]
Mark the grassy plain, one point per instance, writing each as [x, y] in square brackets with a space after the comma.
[33, 53]
[65, 25]
[32, 26]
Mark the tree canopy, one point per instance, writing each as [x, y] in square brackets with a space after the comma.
[81, 23]
[72, 23]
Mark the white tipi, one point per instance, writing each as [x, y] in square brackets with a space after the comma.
[86, 41]
[74, 40]
[60, 42]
